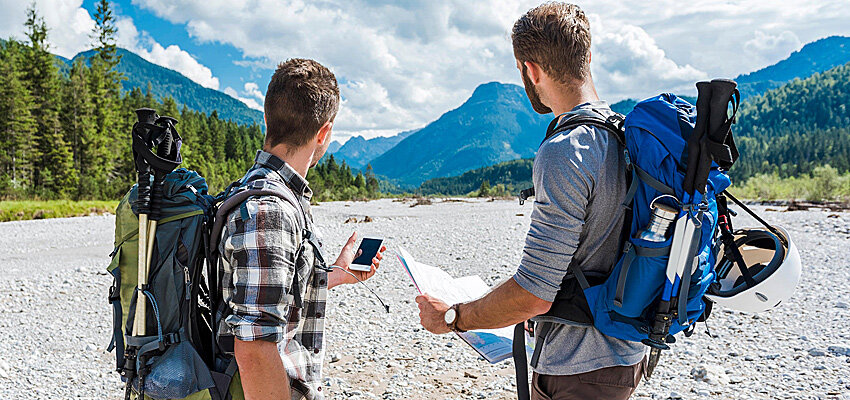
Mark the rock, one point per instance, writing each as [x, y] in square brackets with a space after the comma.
[842, 305]
[334, 358]
[674, 395]
[713, 374]
[816, 352]
[838, 350]
[91, 347]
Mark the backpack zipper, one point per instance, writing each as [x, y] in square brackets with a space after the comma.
[187, 280]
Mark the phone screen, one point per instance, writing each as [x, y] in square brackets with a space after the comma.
[370, 249]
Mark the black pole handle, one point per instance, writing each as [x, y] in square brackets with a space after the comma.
[141, 139]
[696, 143]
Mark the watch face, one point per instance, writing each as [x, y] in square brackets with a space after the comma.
[450, 316]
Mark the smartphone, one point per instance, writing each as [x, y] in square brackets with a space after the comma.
[370, 248]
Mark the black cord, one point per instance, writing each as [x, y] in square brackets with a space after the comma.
[759, 219]
[364, 284]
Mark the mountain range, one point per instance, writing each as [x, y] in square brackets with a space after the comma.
[140, 73]
[358, 151]
[495, 124]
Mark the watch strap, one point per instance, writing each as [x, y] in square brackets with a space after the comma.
[453, 325]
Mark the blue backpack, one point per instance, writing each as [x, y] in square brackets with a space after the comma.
[625, 303]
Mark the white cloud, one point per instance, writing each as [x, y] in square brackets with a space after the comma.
[70, 28]
[627, 62]
[172, 57]
[249, 96]
[769, 47]
[402, 64]
[68, 22]
[252, 89]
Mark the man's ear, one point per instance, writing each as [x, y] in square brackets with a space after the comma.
[589, 54]
[324, 133]
[534, 72]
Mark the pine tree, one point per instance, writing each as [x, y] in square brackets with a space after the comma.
[484, 190]
[108, 143]
[17, 125]
[54, 174]
[78, 111]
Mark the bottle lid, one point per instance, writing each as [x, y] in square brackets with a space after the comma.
[665, 211]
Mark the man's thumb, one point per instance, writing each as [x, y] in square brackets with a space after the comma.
[351, 240]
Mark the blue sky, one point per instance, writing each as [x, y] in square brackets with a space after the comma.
[401, 64]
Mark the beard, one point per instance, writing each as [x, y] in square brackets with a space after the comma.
[533, 96]
[319, 153]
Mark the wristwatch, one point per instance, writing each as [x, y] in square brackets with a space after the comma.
[451, 318]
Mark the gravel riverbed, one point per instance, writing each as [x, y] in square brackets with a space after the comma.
[55, 320]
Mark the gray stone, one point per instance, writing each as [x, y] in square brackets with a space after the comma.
[816, 352]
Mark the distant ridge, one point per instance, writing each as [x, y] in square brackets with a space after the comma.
[167, 82]
[817, 56]
[358, 151]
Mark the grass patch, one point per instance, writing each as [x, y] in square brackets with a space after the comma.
[15, 210]
[824, 184]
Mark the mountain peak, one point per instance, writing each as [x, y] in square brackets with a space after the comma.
[494, 90]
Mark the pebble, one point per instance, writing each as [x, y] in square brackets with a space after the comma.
[816, 352]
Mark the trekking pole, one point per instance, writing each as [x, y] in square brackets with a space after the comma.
[681, 249]
[697, 141]
[163, 150]
[141, 139]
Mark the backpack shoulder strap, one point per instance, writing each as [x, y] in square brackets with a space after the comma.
[258, 187]
[613, 124]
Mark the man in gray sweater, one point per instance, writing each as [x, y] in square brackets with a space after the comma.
[579, 177]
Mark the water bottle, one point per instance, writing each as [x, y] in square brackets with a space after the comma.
[659, 224]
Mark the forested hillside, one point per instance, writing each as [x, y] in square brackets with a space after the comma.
[163, 82]
[795, 128]
[514, 175]
[817, 56]
[67, 135]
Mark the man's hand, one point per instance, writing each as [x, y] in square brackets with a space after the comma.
[432, 314]
[346, 256]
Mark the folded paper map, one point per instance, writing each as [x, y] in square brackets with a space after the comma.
[493, 344]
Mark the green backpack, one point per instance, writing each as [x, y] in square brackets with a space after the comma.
[176, 360]
[184, 359]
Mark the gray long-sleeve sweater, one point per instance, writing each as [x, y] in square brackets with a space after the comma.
[579, 180]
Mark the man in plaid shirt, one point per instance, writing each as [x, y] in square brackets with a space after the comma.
[273, 283]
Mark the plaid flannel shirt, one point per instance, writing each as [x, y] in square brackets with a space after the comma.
[260, 258]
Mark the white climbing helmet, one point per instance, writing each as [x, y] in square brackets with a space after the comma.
[774, 267]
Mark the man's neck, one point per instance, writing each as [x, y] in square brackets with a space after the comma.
[565, 100]
[300, 159]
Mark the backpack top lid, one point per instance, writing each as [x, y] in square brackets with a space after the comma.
[655, 116]
[183, 191]
[657, 133]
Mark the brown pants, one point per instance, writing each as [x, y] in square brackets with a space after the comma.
[612, 383]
